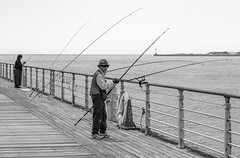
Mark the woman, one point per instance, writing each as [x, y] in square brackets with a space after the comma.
[18, 71]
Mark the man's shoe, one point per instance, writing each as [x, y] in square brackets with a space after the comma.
[97, 136]
[105, 135]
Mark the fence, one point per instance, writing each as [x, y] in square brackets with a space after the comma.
[208, 121]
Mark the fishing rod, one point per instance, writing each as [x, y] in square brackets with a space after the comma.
[173, 68]
[63, 50]
[125, 72]
[92, 44]
[139, 58]
[28, 59]
[148, 63]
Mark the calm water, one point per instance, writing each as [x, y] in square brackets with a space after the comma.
[220, 76]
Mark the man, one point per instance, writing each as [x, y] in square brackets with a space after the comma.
[18, 66]
[98, 93]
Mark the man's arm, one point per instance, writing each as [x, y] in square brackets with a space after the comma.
[104, 85]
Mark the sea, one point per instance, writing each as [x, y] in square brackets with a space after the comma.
[220, 74]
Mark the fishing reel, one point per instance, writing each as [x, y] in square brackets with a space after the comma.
[141, 81]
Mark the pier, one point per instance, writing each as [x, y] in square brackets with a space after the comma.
[173, 121]
[45, 127]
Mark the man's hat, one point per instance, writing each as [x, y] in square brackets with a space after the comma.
[103, 62]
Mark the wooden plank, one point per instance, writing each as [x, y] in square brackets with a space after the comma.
[45, 128]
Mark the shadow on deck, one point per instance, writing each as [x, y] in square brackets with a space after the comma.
[45, 127]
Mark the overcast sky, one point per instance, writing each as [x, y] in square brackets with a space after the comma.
[46, 26]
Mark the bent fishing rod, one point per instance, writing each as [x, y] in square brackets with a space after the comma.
[64, 49]
[126, 72]
[139, 58]
[173, 68]
[91, 45]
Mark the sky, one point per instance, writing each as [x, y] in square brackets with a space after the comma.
[46, 26]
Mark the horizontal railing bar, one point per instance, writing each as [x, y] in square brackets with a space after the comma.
[232, 156]
[162, 113]
[137, 114]
[138, 99]
[164, 132]
[218, 151]
[203, 135]
[164, 94]
[196, 90]
[197, 112]
[233, 120]
[235, 145]
[195, 100]
[234, 133]
[163, 123]
[164, 105]
[137, 107]
[203, 124]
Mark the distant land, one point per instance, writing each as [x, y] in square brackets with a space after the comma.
[224, 53]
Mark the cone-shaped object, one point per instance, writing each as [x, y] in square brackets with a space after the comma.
[128, 117]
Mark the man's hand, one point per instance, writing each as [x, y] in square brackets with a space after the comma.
[115, 80]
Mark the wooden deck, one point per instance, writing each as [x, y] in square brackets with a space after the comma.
[45, 127]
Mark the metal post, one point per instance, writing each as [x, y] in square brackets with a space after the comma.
[6, 71]
[25, 76]
[31, 77]
[53, 82]
[73, 88]
[62, 87]
[147, 107]
[3, 70]
[122, 89]
[10, 72]
[180, 120]
[86, 92]
[43, 80]
[227, 130]
[37, 79]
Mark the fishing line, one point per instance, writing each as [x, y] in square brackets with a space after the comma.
[92, 44]
[64, 49]
[147, 63]
[181, 66]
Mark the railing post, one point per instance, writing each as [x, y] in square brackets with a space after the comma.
[10, 72]
[227, 130]
[86, 93]
[53, 82]
[43, 80]
[180, 120]
[36, 79]
[122, 89]
[62, 87]
[25, 77]
[3, 70]
[31, 78]
[147, 107]
[73, 88]
[6, 71]
[0, 69]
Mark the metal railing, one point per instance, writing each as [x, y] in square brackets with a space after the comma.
[206, 120]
